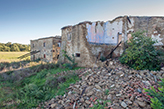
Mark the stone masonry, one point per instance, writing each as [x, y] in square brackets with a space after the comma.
[87, 40]
[48, 49]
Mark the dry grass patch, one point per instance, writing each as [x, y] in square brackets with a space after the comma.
[11, 56]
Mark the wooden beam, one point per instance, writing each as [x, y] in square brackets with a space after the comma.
[110, 54]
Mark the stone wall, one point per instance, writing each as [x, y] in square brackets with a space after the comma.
[87, 40]
[48, 48]
[154, 27]
[56, 48]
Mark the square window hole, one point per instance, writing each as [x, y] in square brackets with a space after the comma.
[77, 55]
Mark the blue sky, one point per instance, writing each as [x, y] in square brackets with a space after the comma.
[25, 20]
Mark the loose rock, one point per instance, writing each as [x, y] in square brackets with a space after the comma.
[123, 104]
[124, 86]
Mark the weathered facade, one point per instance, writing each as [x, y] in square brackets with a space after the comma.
[88, 40]
[46, 49]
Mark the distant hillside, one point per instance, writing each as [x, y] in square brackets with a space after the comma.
[16, 47]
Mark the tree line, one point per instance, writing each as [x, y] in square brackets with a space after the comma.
[15, 47]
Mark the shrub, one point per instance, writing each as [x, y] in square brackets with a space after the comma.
[158, 96]
[141, 54]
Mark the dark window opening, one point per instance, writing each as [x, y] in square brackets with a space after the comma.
[77, 55]
[44, 55]
[44, 44]
[58, 57]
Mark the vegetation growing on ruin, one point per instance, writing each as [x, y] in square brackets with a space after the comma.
[72, 63]
[157, 94]
[141, 54]
[100, 105]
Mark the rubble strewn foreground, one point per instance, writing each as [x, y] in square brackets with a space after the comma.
[114, 86]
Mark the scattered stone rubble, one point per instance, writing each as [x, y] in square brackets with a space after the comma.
[125, 88]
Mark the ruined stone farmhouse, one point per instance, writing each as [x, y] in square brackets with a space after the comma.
[46, 49]
[89, 41]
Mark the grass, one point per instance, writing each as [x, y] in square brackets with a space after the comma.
[37, 88]
[11, 56]
[9, 61]
[106, 91]
[17, 90]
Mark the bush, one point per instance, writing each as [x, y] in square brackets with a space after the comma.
[158, 96]
[141, 54]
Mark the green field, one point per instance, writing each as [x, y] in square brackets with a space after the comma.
[11, 56]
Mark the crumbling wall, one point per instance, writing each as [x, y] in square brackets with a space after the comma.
[88, 40]
[104, 32]
[65, 32]
[153, 27]
[104, 36]
[56, 48]
[43, 45]
[74, 42]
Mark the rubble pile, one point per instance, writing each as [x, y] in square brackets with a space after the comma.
[114, 86]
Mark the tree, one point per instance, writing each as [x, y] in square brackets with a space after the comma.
[22, 47]
[6, 48]
[141, 54]
[28, 47]
[1, 48]
[14, 47]
[8, 44]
